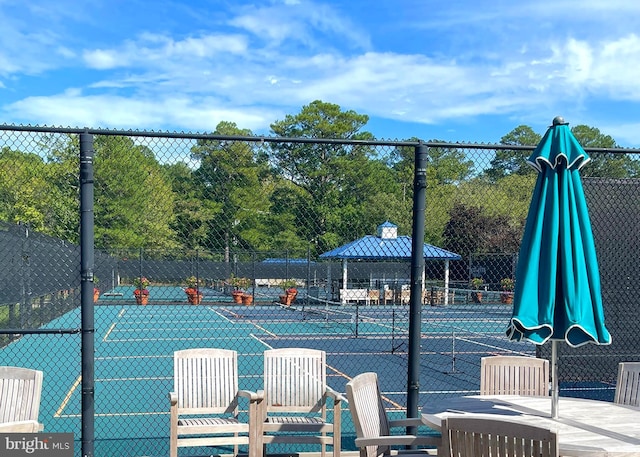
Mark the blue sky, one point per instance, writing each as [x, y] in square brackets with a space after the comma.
[466, 70]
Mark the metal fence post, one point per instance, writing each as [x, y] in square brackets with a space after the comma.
[86, 287]
[417, 269]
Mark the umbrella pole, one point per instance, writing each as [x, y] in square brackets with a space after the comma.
[554, 379]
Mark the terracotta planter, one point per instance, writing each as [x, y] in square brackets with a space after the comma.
[288, 297]
[247, 299]
[237, 296]
[142, 299]
[96, 294]
[506, 298]
[194, 299]
[476, 297]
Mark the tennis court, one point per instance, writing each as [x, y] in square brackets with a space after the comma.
[134, 347]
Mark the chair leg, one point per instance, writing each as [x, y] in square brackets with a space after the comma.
[173, 446]
[337, 429]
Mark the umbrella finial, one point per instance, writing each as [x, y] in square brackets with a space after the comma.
[559, 120]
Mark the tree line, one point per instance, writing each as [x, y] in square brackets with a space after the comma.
[228, 196]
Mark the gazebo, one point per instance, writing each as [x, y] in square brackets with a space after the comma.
[387, 245]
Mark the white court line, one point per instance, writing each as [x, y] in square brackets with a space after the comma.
[106, 335]
[111, 330]
[259, 340]
[215, 311]
[265, 330]
[211, 338]
[126, 357]
[129, 326]
[153, 378]
[249, 322]
[172, 329]
[153, 413]
[120, 314]
[67, 397]
[155, 321]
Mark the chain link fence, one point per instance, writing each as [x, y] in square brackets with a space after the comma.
[183, 221]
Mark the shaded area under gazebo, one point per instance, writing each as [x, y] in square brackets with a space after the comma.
[385, 246]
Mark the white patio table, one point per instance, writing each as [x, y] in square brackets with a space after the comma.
[587, 428]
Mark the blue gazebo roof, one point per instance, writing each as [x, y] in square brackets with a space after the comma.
[378, 248]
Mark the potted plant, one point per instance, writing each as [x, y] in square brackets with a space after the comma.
[476, 285]
[239, 284]
[247, 298]
[194, 296]
[507, 285]
[290, 292]
[96, 291]
[141, 293]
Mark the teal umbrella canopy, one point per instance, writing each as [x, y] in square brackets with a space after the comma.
[558, 295]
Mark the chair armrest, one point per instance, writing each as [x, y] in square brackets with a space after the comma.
[415, 422]
[335, 395]
[399, 440]
[262, 406]
[252, 396]
[173, 398]
[28, 426]
[408, 422]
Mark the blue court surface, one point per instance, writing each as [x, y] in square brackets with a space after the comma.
[134, 347]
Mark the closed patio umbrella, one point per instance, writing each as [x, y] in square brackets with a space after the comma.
[557, 295]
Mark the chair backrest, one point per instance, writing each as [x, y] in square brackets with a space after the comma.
[628, 385]
[367, 410]
[20, 391]
[294, 380]
[490, 437]
[206, 381]
[514, 375]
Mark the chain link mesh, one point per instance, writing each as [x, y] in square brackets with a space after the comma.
[223, 214]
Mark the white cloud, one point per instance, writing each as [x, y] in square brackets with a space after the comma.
[610, 66]
[102, 59]
[252, 64]
[388, 85]
[313, 24]
[74, 109]
[162, 50]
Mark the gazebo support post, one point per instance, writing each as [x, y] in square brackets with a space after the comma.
[343, 298]
[446, 282]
